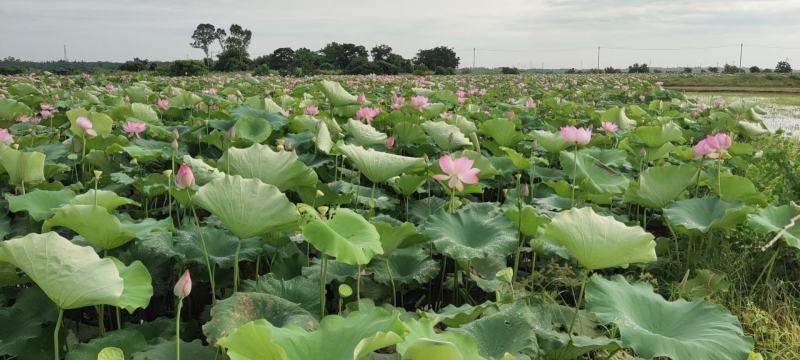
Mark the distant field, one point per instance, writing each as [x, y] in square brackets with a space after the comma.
[738, 82]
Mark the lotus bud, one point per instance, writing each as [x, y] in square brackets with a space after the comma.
[390, 142]
[167, 173]
[175, 134]
[184, 178]
[98, 174]
[231, 133]
[184, 285]
[174, 144]
[525, 190]
[425, 157]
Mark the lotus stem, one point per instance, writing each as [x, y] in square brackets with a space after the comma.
[697, 183]
[358, 284]
[519, 231]
[719, 177]
[205, 250]
[119, 318]
[391, 279]
[578, 306]
[56, 350]
[574, 175]
[101, 319]
[178, 329]
[236, 266]
[323, 272]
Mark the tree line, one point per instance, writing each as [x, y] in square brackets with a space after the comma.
[344, 58]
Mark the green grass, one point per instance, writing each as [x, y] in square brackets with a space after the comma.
[756, 81]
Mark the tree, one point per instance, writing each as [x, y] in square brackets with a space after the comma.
[783, 67]
[611, 70]
[137, 65]
[713, 69]
[203, 36]
[307, 60]
[238, 39]
[636, 68]
[380, 52]
[731, 69]
[234, 56]
[441, 56]
[755, 69]
[282, 59]
[687, 70]
[342, 55]
[509, 70]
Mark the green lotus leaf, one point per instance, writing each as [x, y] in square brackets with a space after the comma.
[99, 227]
[519, 160]
[529, 222]
[22, 167]
[185, 100]
[407, 184]
[203, 173]
[107, 199]
[39, 203]
[247, 207]
[600, 242]
[656, 136]
[617, 116]
[252, 130]
[502, 131]
[737, 189]
[242, 307]
[10, 109]
[137, 285]
[145, 113]
[22, 323]
[704, 284]
[592, 173]
[282, 169]
[379, 166]
[61, 269]
[165, 349]
[428, 349]
[336, 94]
[393, 237]
[405, 266]
[424, 331]
[324, 140]
[434, 109]
[447, 137]
[658, 186]
[351, 337]
[220, 244]
[705, 213]
[127, 340]
[506, 331]
[773, 219]
[654, 327]
[365, 134]
[475, 231]
[101, 123]
[552, 142]
[347, 236]
[301, 290]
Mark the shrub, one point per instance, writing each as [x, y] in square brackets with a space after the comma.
[755, 69]
[509, 70]
[188, 68]
[783, 67]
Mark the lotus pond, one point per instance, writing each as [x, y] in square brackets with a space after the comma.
[459, 217]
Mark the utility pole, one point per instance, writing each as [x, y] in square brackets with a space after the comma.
[473, 58]
[65, 53]
[598, 59]
[741, 49]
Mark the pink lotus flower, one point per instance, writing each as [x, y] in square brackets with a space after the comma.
[47, 111]
[390, 142]
[210, 91]
[311, 110]
[361, 98]
[576, 136]
[185, 177]
[531, 104]
[419, 102]
[367, 114]
[5, 136]
[163, 104]
[457, 172]
[713, 146]
[397, 102]
[134, 128]
[86, 124]
[183, 287]
[719, 102]
[609, 127]
[109, 87]
[642, 98]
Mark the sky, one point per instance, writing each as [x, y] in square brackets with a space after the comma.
[519, 33]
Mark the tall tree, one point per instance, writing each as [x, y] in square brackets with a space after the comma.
[342, 55]
[380, 52]
[783, 67]
[441, 56]
[282, 59]
[307, 60]
[203, 36]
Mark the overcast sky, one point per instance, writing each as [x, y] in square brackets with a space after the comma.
[521, 33]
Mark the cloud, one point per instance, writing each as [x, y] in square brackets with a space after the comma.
[558, 33]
